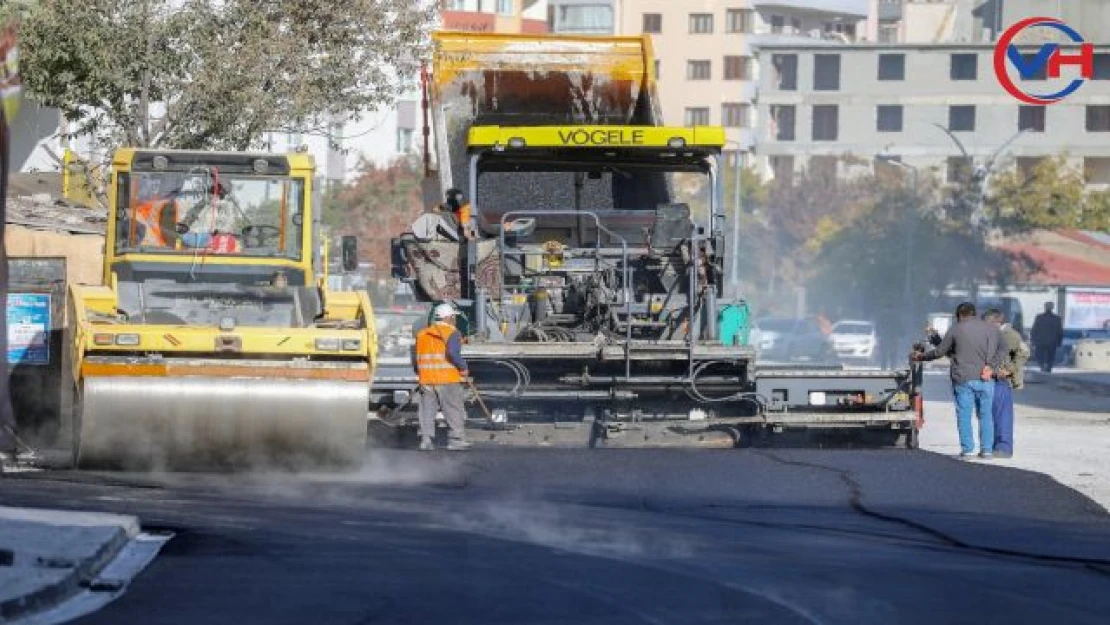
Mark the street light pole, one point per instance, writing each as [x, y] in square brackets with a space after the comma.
[734, 270]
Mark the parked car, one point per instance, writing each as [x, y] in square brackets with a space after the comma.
[854, 340]
[785, 339]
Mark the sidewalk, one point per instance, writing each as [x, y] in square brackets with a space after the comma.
[47, 556]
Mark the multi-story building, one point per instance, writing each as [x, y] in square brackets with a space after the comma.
[971, 21]
[820, 104]
[704, 62]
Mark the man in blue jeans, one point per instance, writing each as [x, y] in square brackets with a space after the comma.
[975, 350]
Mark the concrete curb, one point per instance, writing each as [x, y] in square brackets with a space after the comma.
[80, 569]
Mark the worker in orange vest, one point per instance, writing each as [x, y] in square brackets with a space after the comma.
[441, 369]
[460, 210]
[154, 225]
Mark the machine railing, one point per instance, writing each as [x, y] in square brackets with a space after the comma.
[626, 271]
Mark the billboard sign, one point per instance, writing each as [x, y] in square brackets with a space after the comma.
[29, 328]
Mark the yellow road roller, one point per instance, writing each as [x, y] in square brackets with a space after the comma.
[213, 340]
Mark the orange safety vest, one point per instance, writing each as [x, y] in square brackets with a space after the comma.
[151, 215]
[432, 366]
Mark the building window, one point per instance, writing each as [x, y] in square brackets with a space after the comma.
[1096, 169]
[1102, 67]
[786, 71]
[959, 169]
[889, 118]
[961, 118]
[739, 20]
[456, 5]
[892, 67]
[777, 23]
[699, 70]
[701, 23]
[583, 18]
[653, 23]
[965, 66]
[782, 122]
[795, 25]
[783, 168]
[888, 33]
[404, 139]
[1028, 164]
[826, 122]
[505, 7]
[1098, 118]
[698, 116]
[823, 167]
[826, 72]
[735, 115]
[738, 68]
[658, 68]
[1031, 118]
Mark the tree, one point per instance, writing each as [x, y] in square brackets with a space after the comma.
[1053, 195]
[220, 74]
[377, 206]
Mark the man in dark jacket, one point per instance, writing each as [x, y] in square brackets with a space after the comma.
[1047, 335]
[975, 350]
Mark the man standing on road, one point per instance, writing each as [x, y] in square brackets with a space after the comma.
[974, 348]
[441, 369]
[1047, 335]
[1008, 377]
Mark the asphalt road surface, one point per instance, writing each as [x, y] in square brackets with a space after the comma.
[608, 536]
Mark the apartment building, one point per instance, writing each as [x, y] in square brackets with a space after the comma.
[971, 21]
[704, 62]
[827, 107]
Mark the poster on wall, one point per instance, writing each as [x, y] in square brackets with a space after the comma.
[1086, 309]
[28, 328]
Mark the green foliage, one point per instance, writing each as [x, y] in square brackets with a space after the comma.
[1051, 196]
[217, 73]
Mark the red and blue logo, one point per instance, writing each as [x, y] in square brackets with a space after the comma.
[1049, 59]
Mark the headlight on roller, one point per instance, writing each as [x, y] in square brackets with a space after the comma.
[127, 339]
[327, 345]
[352, 345]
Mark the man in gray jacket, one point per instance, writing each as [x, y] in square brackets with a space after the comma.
[975, 349]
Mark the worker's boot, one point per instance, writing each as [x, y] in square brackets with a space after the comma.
[458, 445]
[426, 445]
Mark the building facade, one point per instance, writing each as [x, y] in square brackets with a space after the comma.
[828, 107]
[705, 67]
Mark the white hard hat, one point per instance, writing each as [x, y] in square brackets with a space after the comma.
[445, 311]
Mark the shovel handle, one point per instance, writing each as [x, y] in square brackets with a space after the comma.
[478, 396]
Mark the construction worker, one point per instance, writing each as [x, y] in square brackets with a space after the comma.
[441, 370]
[1008, 378]
[460, 209]
[212, 216]
[154, 221]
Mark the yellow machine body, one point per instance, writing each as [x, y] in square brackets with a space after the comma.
[214, 340]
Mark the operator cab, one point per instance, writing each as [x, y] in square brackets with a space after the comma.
[234, 217]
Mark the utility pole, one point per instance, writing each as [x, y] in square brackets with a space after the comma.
[737, 207]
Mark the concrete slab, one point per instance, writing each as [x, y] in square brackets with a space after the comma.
[46, 555]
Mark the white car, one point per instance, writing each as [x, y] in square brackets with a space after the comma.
[855, 340]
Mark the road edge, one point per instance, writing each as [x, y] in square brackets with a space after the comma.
[80, 575]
